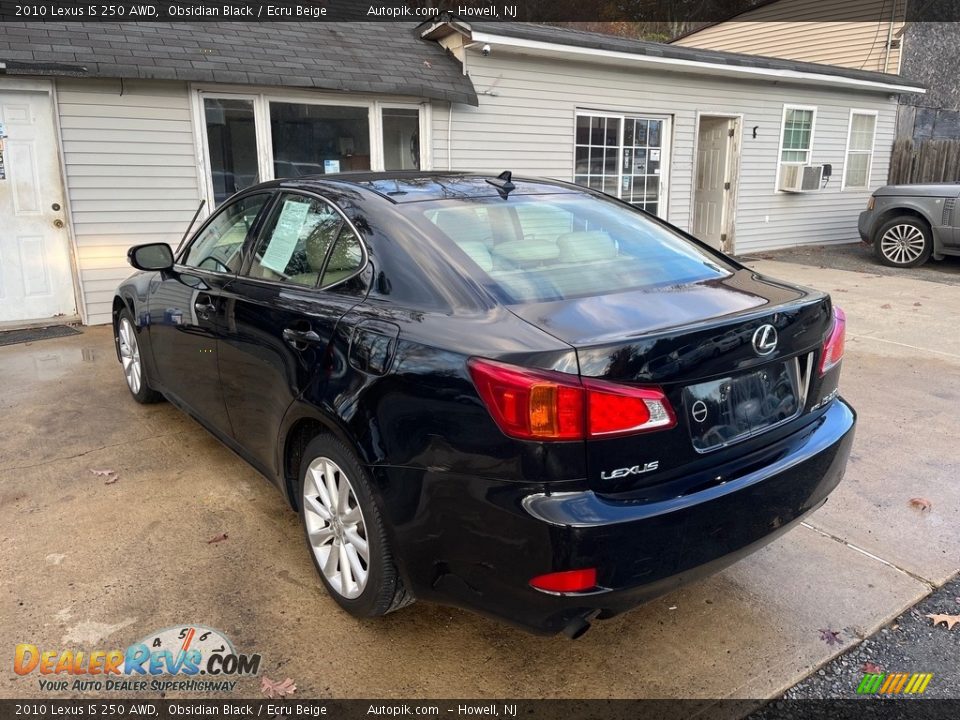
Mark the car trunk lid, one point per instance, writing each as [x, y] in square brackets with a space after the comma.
[699, 344]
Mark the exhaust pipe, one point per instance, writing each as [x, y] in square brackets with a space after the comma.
[578, 627]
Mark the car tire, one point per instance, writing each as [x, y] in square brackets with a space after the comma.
[134, 371]
[903, 242]
[337, 529]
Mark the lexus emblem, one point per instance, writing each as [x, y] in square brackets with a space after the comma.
[765, 339]
[699, 411]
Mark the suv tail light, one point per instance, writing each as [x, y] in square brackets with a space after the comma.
[546, 405]
[833, 346]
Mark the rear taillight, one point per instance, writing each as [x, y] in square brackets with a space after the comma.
[530, 404]
[567, 580]
[545, 405]
[620, 410]
[833, 346]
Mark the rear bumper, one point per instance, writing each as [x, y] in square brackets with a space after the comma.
[496, 536]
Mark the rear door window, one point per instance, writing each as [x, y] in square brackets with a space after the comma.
[296, 240]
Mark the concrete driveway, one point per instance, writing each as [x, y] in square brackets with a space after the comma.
[84, 564]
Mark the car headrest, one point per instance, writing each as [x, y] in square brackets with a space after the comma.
[479, 253]
[462, 224]
[586, 246]
[527, 252]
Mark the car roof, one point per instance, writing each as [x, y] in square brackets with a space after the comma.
[418, 186]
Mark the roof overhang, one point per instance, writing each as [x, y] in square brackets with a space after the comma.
[541, 48]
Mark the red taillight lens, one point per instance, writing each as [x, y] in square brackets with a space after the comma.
[621, 410]
[545, 405]
[834, 345]
[567, 581]
[530, 404]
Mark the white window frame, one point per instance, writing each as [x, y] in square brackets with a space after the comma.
[873, 147]
[666, 150]
[261, 99]
[425, 123]
[813, 131]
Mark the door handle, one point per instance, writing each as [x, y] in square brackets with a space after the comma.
[300, 337]
[205, 308]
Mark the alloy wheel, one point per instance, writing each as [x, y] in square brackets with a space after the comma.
[130, 356]
[902, 244]
[335, 527]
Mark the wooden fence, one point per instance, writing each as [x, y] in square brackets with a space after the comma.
[931, 160]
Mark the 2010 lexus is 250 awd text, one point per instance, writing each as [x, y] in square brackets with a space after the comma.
[521, 397]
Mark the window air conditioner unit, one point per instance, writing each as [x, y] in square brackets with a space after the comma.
[801, 178]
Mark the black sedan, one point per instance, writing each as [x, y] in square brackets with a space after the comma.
[521, 397]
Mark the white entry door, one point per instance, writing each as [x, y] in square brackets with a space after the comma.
[714, 151]
[36, 281]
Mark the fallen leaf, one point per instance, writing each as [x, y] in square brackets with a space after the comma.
[217, 538]
[427, 64]
[948, 620]
[276, 688]
[886, 306]
[872, 668]
[830, 637]
[921, 504]
[916, 304]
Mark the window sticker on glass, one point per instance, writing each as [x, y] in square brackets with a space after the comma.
[285, 235]
[654, 156]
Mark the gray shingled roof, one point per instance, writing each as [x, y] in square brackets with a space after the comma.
[385, 58]
[581, 38]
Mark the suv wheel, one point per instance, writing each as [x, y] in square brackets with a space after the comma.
[903, 242]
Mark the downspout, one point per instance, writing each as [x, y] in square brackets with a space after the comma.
[449, 137]
[893, 19]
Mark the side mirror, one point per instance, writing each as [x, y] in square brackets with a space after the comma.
[153, 256]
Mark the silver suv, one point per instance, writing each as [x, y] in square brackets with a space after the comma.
[906, 224]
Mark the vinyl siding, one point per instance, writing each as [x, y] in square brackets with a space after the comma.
[527, 126]
[814, 31]
[131, 175]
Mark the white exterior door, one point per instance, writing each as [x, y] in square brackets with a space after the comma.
[36, 281]
[713, 180]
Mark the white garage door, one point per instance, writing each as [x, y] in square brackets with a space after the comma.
[36, 281]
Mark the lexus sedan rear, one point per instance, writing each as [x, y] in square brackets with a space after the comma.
[516, 396]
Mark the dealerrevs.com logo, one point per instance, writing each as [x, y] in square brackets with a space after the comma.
[894, 683]
[200, 658]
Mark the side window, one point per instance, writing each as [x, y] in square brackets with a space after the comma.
[796, 145]
[295, 240]
[217, 247]
[345, 259]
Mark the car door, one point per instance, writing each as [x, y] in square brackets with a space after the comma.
[281, 313]
[186, 310]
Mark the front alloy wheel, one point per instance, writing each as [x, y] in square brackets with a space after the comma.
[130, 356]
[134, 371]
[903, 242]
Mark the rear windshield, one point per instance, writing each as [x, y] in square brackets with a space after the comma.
[537, 248]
